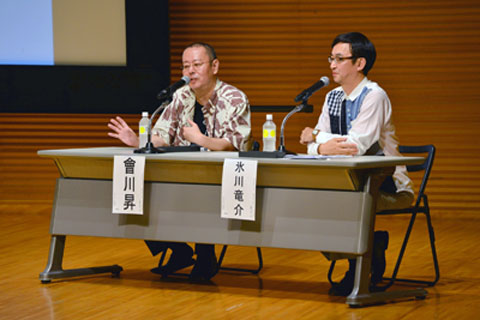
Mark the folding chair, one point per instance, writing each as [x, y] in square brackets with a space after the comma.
[420, 206]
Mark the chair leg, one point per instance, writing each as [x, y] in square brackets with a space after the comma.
[330, 272]
[402, 251]
[164, 253]
[253, 271]
[222, 255]
[404, 245]
[431, 232]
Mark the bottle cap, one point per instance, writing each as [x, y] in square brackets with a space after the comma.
[269, 117]
[145, 114]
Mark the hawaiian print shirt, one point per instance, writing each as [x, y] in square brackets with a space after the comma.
[227, 116]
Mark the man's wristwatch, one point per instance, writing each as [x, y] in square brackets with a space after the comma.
[315, 132]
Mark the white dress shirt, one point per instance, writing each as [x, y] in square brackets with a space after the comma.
[373, 123]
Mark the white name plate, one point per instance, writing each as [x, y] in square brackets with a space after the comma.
[128, 177]
[239, 182]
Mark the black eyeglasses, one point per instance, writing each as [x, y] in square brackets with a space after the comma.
[338, 59]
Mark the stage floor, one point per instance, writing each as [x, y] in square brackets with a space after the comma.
[292, 285]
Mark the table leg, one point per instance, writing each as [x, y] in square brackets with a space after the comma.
[54, 269]
[361, 295]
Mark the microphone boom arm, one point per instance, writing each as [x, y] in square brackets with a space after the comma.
[166, 96]
[298, 108]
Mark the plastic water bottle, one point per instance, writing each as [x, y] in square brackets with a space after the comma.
[143, 129]
[269, 134]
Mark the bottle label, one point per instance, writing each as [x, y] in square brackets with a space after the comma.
[268, 133]
[142, 129]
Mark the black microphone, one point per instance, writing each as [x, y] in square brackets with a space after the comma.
[168, 92]
[307, 93]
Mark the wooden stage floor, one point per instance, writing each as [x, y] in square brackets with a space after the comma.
[292, 285]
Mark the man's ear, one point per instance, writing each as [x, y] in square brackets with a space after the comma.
[215, 66]
[361, 63]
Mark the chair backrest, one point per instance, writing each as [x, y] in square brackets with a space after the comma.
[426, 165]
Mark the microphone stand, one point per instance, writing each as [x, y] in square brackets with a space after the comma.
[149, 147]
[281, 147]
[281, 152]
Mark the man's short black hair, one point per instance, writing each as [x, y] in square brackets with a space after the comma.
[210, 50]
[361, 48]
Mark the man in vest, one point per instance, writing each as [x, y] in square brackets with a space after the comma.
[356, 118]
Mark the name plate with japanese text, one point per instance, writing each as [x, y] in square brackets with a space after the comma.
[239, 182]
[128, 177]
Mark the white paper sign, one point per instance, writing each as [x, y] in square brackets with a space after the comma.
[239, 182]
[128, 176]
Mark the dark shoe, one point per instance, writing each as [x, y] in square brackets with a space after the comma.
[380, 244]
[205, 268]
[175, 263]
[345, 286]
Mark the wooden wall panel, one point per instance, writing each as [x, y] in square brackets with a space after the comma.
[428, 62]
[26, 176]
